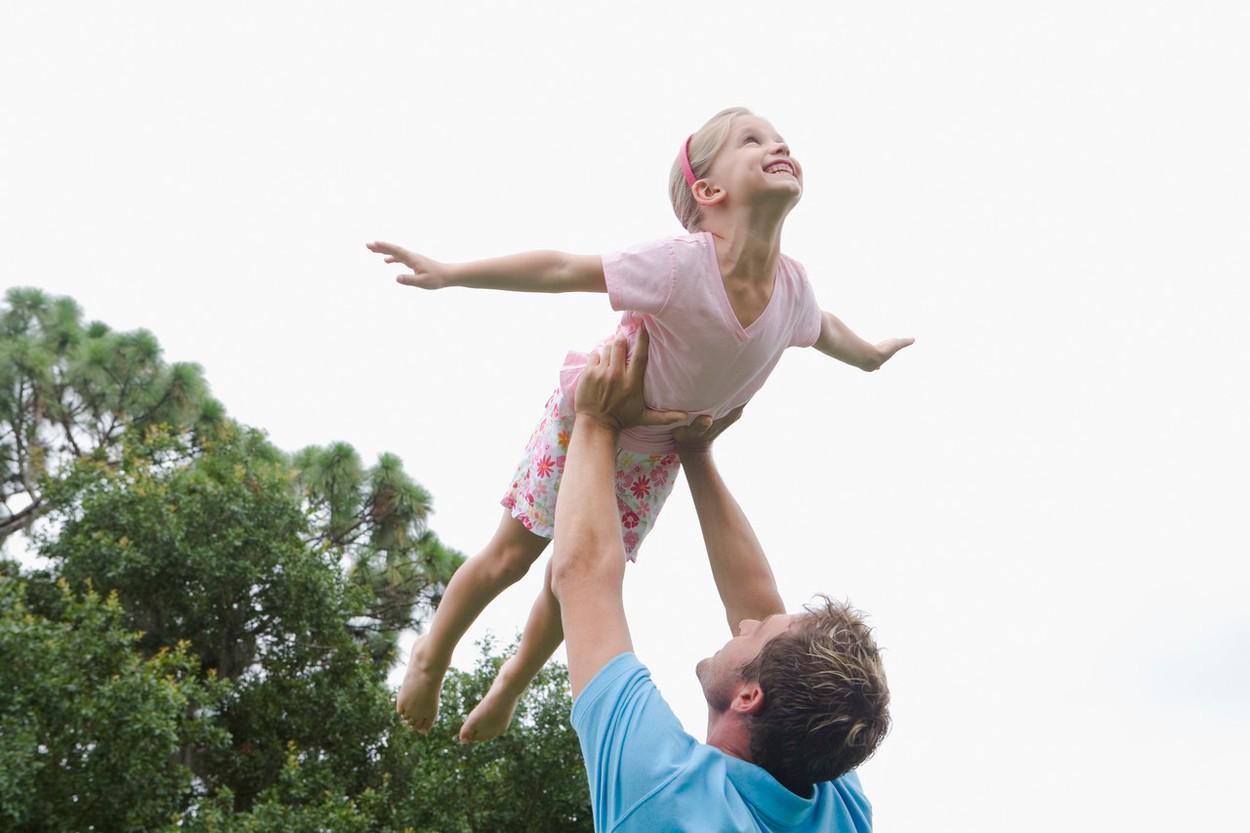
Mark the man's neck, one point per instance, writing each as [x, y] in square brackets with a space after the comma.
[729, 732]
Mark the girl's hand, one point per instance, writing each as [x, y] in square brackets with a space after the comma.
[426, 273]
[887, 348]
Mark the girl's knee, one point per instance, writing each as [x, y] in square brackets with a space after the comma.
[515, 552]
[515, 560]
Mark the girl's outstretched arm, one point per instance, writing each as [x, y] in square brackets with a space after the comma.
[545, 271]
[837, 340]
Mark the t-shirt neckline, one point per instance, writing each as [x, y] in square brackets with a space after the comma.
[722, 294]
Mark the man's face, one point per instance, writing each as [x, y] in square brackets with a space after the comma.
[721, 674]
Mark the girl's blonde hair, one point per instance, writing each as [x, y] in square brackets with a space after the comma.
[704, 146]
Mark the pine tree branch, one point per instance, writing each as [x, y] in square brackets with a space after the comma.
[21, 520]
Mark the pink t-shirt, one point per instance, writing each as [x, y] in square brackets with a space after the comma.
[701, 359]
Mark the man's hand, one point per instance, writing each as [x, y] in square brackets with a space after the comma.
[697, 437]
[426, 273]
[610, 389]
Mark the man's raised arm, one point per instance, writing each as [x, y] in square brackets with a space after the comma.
[743, 578]
[588, 563]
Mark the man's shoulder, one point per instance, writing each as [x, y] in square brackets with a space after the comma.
[624, 682]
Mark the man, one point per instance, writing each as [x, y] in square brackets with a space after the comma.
[795, 701]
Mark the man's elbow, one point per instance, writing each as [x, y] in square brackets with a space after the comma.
[585, 563]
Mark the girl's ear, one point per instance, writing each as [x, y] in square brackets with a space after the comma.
[705, 193]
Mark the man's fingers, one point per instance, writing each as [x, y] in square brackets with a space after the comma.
[620, 353]
[650, 417]
[638, 362]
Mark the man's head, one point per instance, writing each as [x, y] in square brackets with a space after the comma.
[809, 689]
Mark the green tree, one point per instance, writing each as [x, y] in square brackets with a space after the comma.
[74, 393]
[70, 390]
[270, 587]
[88, 725]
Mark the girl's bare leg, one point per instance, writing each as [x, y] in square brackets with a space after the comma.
[543, 634]
[500, 564]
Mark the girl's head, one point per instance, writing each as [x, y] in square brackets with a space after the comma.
[734, 150]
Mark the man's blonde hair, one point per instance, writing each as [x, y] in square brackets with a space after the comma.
[826, 703]
[704, 146]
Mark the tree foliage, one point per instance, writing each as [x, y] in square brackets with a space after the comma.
[207, 644]
[90, 726]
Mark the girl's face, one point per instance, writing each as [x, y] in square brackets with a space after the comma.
[755, 164]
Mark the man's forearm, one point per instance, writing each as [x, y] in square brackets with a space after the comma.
[739, 567]
[587, 522]
[542, 271]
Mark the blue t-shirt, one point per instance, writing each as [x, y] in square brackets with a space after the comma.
[647, 774]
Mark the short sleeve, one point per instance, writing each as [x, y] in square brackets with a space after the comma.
[641, 278]
[807, 312]
[631, 741]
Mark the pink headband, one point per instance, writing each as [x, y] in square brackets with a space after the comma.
[685, 161]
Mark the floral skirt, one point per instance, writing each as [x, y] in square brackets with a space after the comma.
[643, 481]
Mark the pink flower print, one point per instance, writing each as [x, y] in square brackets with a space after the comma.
[629, 520]
[630, 539]
[640, 487]
[529, 497]
[508, 501]
[668, 459]
[660, 476]
[560, 462]
[525, 519]
[544, 466]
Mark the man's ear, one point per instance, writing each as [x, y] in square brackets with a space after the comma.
[705, 193]
[748, 700]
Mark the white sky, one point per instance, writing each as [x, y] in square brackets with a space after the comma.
[1042, 504]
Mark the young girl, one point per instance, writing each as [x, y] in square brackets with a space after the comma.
[720, 304]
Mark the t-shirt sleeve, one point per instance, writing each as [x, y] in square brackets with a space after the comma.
[632, 742]
[807, 313]
[641, 278]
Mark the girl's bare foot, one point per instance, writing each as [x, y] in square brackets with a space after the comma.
[417, 702]
[491, 717]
